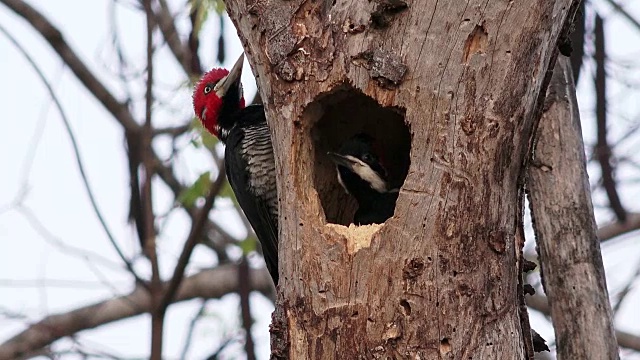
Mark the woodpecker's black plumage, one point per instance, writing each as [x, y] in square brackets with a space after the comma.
[362, 175]
[251, 172]
[249, 160]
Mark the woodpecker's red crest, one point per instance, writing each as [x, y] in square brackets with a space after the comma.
[209, 95]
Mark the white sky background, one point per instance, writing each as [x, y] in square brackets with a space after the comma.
[37, 277]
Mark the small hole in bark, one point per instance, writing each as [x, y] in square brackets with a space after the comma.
[406, 307]
[445, 347]
[342, 114]
[355, 314]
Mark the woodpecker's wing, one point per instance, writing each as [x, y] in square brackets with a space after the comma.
[251, 172]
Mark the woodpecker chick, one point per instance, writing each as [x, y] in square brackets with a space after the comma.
[219, 104]
[361, 174]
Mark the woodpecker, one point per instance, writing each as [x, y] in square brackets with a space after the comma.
[361, 174]
[219, 104]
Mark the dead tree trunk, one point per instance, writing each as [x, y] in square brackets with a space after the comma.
[452, 91]
[573, 273]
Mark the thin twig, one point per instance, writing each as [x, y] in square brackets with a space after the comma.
[55, 39]
[192, 326]
[179, 50]
[173, 131]
[624, 13]
[147, 202]
[244, 290]
[622, 294]
[216, 354]
[76, 152]
[119, 49]
[194, 39]
[199, 223]
[167, 175]
[51, 239]
[615, 229]
[147, 216]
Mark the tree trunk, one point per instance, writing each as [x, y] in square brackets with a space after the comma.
[440, 278]
[573, 273]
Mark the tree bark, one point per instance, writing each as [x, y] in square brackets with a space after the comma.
[573, 273]
[440, 278]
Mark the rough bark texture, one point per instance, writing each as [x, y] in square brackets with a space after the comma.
[573, 274]
[439, 279]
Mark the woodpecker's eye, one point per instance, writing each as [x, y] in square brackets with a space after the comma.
[367, 157]
[207, 89]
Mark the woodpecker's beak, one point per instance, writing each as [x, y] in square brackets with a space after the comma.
[345, 161]
[233, 78]
[360, 168]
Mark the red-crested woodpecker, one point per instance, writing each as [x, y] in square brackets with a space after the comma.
[219, 104]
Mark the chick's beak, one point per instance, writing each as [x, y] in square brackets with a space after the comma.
[342, 160]
[233, 78]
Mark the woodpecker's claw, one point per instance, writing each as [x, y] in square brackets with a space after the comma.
[232, 78]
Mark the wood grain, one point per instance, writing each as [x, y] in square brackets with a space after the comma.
[439, 279]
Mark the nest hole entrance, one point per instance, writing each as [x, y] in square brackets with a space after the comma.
[347, 112]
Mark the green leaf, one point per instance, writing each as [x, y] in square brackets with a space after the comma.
[248, 245]
[219, 6]
[203, 7]
[189, 196]
[207, 138]
[227, 192]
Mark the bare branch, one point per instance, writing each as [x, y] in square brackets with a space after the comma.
[148, 237]
[541, 303]
[615, 229]
[244, 290]
[167, 175]
[194, 236]
[192, 325]
[570, 258]
[181, 52]
[173, 131]
[51, 239]
[622, 294]
[55, 39]
[602, 149]
[194, 40]
[76, 152]
[208, 284]
[624, 13]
